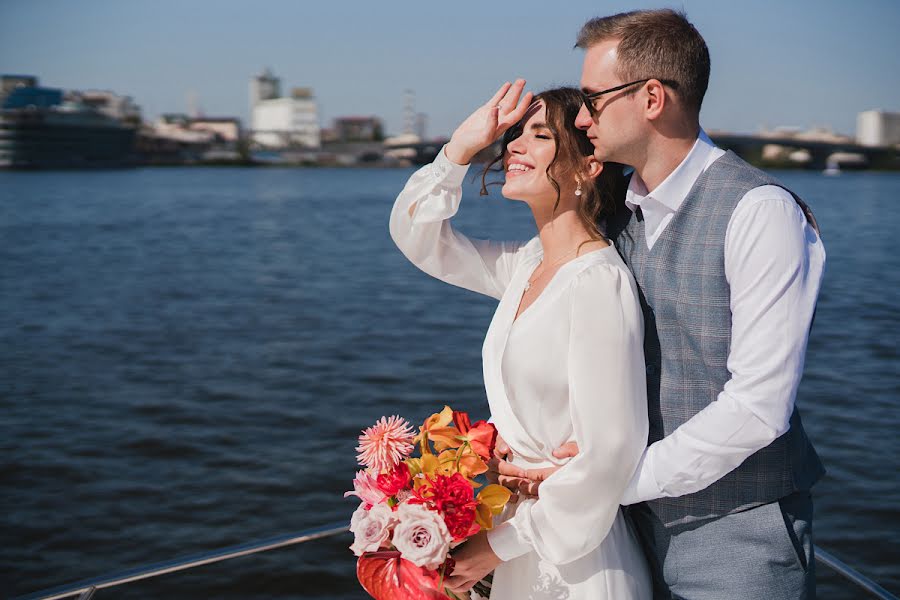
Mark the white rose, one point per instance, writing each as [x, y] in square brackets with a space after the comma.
[371, 528]
[421, 536]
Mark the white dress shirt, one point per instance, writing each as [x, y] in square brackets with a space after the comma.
[774, 262]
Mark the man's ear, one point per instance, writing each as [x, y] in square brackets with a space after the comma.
[655, 99]
[594, 167]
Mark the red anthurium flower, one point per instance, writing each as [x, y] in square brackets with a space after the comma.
[386, 576]
[482, 436]
[394, 480]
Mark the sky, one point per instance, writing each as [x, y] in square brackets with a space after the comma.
[799, 63]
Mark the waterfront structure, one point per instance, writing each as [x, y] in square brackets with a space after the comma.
[357, 129]
[176, 139]
[225, 129]
[287, 122]
[178, 127]
[421, 125]
[8, 83]
[47, 128]
[120, 108]
[878, 128]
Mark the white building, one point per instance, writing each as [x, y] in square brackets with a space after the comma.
[878, 128]
[281, 122]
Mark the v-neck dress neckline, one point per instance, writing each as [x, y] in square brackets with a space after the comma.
[517, 316]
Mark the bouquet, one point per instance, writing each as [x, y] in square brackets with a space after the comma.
[414, 509]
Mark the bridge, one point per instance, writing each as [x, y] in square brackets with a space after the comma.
[750, 148]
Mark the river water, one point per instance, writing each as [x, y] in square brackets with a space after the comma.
[187, 356]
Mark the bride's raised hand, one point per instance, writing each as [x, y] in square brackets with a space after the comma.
[489, 122]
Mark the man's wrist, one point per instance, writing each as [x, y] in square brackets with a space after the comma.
[643, 485]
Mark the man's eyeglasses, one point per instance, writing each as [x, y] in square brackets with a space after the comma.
[590, 98]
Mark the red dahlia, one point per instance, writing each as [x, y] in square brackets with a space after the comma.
[454, 498]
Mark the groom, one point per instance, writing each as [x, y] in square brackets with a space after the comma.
[729, 265]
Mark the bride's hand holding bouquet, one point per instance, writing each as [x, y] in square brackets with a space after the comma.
[415, 509]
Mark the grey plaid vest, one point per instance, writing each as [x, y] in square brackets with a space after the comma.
[686, 303]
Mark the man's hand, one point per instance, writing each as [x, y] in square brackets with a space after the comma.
[523, 483]
[501, 471]
[567, 450]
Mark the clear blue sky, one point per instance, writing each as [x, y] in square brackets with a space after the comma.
[774, 62]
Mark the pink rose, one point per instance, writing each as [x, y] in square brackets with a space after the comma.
[421, 536]
[371, 528]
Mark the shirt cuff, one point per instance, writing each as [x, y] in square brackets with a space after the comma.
[505, 541]
[446, 172]
[643, 486]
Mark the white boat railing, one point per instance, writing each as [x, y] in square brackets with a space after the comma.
[86, 589]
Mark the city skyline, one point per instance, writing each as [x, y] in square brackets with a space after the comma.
[806, 64]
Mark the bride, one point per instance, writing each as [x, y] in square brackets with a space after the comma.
[563, 356]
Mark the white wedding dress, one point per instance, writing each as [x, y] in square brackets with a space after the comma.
[570, 367]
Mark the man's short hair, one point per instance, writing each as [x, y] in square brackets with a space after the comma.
[658, 44]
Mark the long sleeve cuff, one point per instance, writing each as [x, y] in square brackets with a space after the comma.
[446, 171]
[643, 486]
[446, 175]
[506, 542]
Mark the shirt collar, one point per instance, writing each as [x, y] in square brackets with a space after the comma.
[674, 188]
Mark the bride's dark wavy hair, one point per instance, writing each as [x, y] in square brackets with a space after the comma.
[572, 147]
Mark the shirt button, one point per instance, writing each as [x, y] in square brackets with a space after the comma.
[651, 370]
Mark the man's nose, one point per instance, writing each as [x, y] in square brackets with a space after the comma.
[583, 119]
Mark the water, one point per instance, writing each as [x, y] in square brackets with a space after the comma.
[187, 356]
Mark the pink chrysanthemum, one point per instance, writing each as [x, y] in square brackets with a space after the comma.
[385, 444]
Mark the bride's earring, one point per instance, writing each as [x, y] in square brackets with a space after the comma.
[578, 189]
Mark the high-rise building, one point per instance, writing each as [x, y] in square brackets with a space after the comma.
[264, 86]
[878, 128]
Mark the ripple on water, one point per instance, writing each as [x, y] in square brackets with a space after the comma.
[189, 355]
